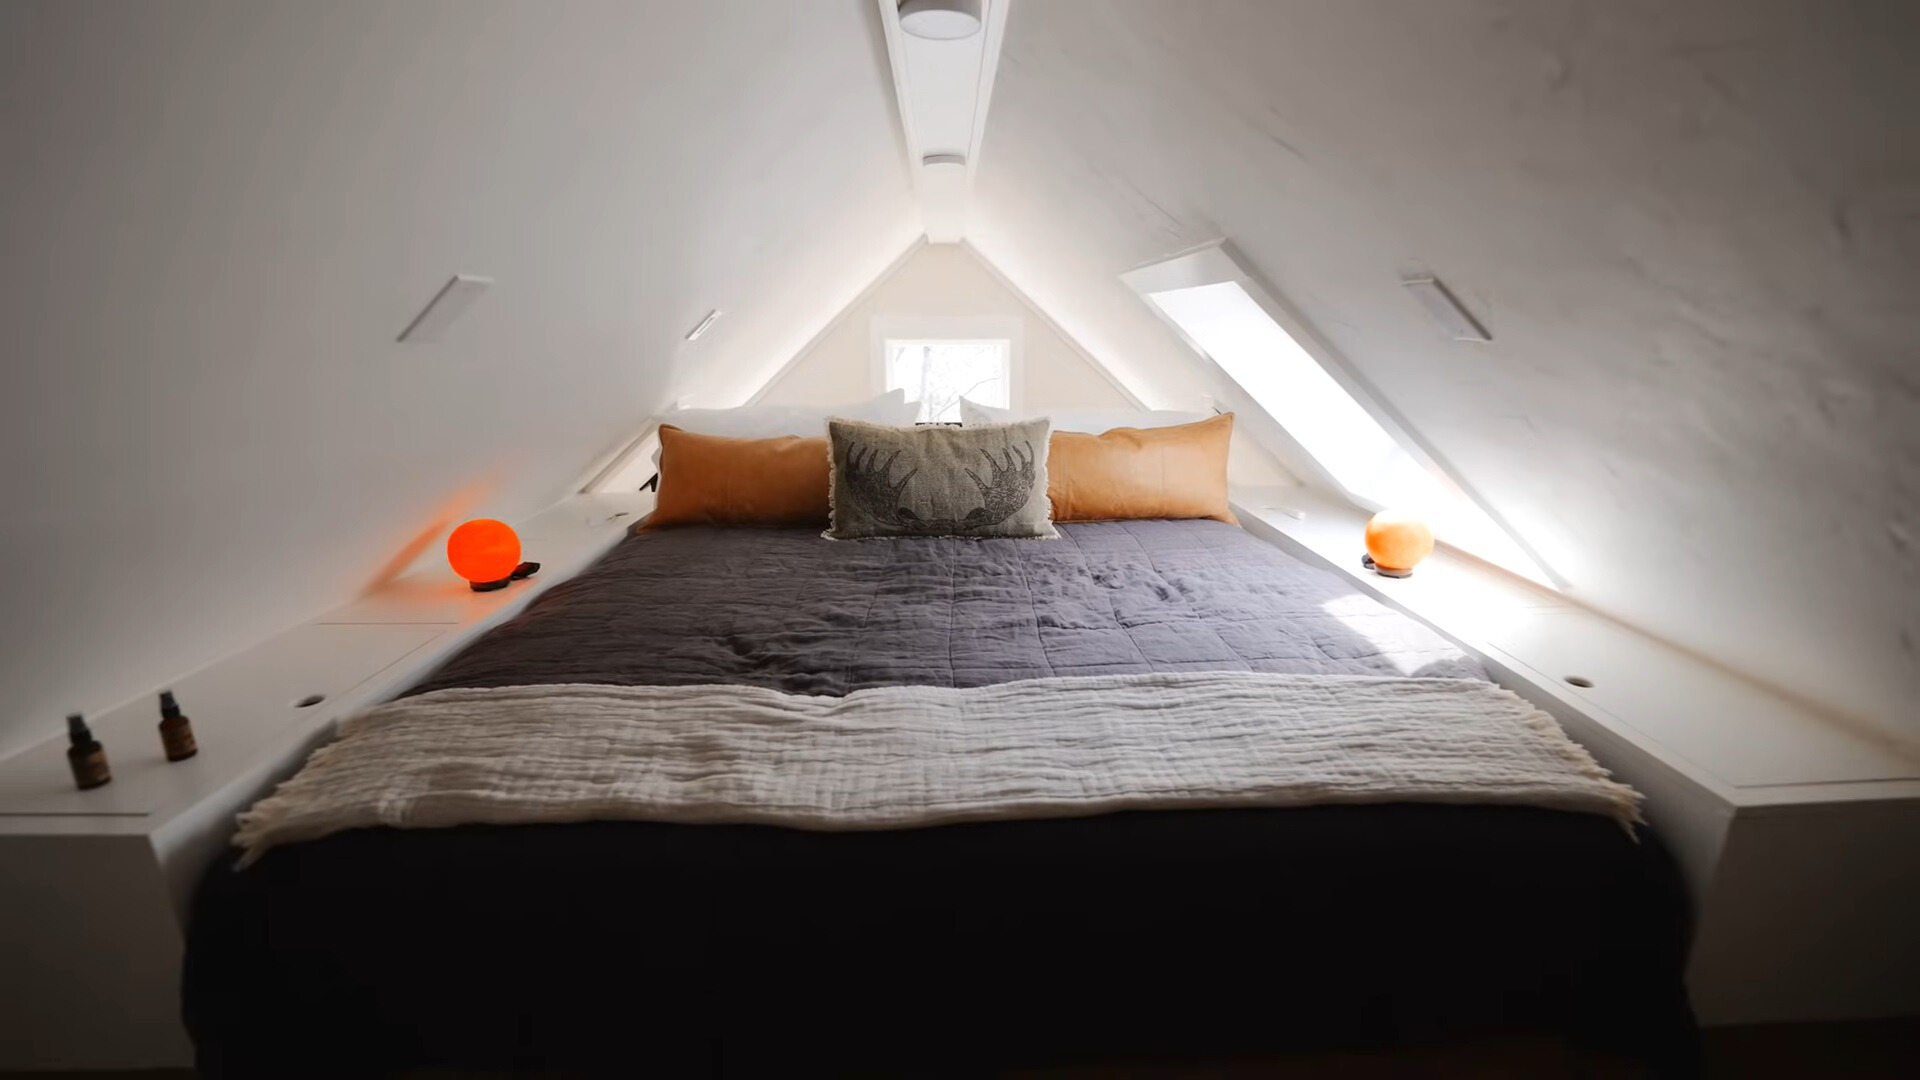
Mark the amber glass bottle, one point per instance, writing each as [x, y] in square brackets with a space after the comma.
[176, 731]
[86, 757]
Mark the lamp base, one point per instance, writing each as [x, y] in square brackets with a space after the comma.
[1384, 571]
[524, 570]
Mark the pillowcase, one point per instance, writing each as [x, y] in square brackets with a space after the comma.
[770, 421]
[1093, 421]
[715, 480]
[1166, 472]
[939, 481]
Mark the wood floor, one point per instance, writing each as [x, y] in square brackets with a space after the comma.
[1867, 1050]
[1874, 1048]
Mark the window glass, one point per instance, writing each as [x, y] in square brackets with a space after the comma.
[1256, 352]
[937, 374]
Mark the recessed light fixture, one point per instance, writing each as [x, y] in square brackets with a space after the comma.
[694, 334]
[1446, 309]
[940, 20]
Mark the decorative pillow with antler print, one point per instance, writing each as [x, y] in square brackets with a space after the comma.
[981, 481]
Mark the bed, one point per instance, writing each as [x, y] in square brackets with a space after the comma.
[744, 949]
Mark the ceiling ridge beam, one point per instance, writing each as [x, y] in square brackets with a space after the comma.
[943, 88]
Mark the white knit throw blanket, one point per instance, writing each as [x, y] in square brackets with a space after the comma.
[908, 756]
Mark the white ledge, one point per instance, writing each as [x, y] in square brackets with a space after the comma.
[1748, 745]
[244, 707]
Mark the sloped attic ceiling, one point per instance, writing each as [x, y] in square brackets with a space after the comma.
[1692, 231]
[216, 217]
[1692, 228]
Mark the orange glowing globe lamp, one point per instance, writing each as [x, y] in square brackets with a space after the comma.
[485, 552]
[1396, 542]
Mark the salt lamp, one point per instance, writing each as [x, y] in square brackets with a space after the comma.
[1396, 542]
[485, 552]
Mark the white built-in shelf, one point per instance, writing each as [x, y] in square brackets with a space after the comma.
[563, 540]
[245, 708]
[1751, 745]
[237, 707]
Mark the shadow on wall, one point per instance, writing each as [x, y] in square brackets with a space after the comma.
[440, 520]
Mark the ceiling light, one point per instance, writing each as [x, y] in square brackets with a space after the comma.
[940, 20]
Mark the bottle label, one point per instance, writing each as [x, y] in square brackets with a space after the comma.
[179, 743]
[90, 771]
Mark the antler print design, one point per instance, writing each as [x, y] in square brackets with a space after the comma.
[869, 482]
[871, 487]
[1008, 490]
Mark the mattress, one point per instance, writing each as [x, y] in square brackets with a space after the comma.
[746, 950]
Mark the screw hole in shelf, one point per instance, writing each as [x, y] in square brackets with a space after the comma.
[1580, 681]
[309, 701]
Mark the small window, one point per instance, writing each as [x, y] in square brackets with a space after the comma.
[937, 374]
[1263, 346]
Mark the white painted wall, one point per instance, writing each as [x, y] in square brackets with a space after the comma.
[1690, 226]
[218, 216]
[951, 281]
[942, 281]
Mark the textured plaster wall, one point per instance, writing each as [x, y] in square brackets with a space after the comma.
[1694, 229]
[215, 218]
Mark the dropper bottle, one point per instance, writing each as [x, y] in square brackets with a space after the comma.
[176, 731]
[86, 757]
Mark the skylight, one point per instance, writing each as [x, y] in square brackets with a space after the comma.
[1213, 303]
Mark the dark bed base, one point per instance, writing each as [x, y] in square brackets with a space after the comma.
[735, 950]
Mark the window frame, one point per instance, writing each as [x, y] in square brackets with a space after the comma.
[1009, 329]
[1217, 263]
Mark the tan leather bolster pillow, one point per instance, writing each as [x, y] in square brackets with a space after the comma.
[1168, 472]
[715, 480]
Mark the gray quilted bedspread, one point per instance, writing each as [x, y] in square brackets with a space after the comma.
[788, 610]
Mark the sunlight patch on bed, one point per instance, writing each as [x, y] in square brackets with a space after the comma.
[1409, 645]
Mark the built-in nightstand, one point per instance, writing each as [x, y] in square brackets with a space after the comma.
[1790, 825]
[95, 885]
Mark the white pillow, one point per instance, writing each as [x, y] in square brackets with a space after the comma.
[773, 421]
[1093, 422]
